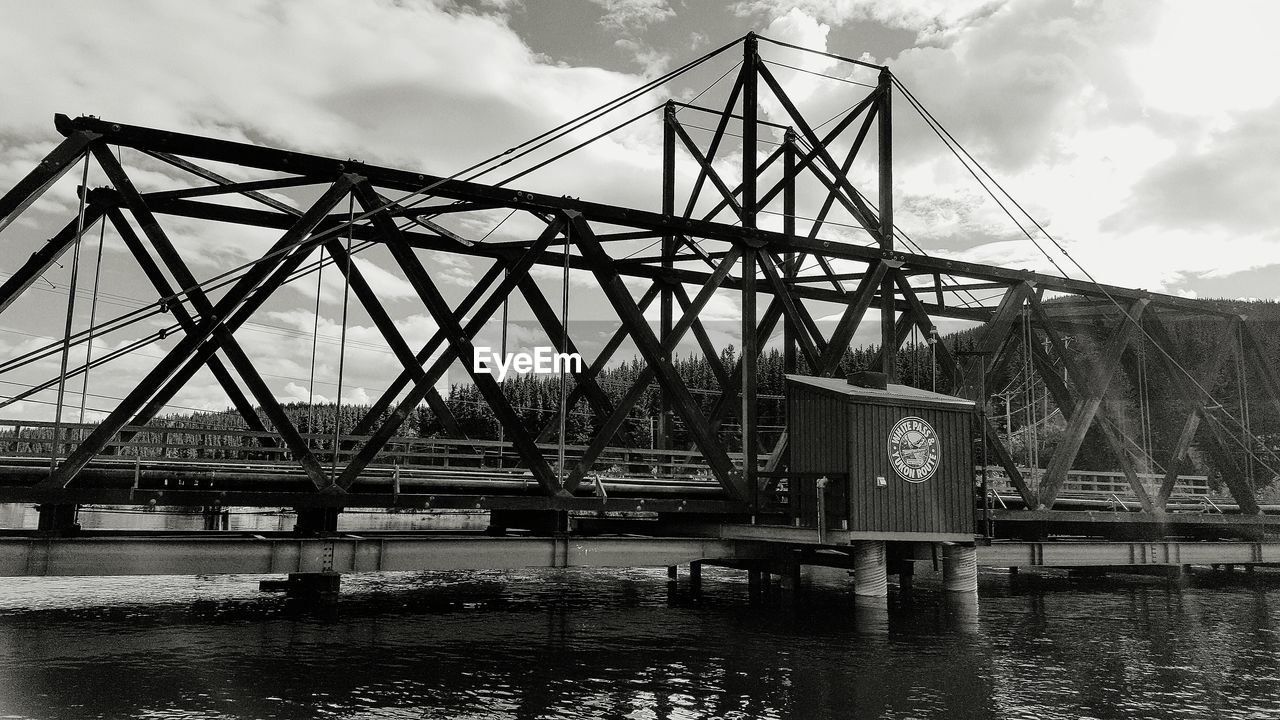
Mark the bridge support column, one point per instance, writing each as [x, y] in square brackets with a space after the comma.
[308, 585]
[57, 519]
[215, 518]
[870, 573]
[790, 580]
[695, 576]
[314, 521]
[906, 571]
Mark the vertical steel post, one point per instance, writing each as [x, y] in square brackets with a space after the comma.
[662, 437]
[884, 126]
[750, 78]
[564, 347]
[789, 229]
[506, 316]
[750, 351]
[986, 460]
[750, 82]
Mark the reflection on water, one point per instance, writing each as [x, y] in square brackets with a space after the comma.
[115, 517]
[625, 644]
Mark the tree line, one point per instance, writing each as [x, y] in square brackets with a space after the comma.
[1143, 400]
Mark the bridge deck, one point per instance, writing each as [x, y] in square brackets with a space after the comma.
[128, 553]
[176, 465]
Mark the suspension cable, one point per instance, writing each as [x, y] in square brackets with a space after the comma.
[315, 339]
[422, 194]
[93, 315]
[949, 140]
[71, 307]
[137, 315]
[342, 347]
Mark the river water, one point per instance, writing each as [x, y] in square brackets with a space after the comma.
[623, 644]
[626, 644]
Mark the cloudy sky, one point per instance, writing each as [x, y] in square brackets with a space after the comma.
[1143, 136]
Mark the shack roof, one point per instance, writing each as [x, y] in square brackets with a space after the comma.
[892, 394]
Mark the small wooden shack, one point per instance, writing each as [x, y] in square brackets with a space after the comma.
[898, 460]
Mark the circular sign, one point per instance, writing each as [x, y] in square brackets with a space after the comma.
[913, 449]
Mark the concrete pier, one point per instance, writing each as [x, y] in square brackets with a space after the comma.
[58, 519]
[305, 584]
[870, 572]
[960, 569]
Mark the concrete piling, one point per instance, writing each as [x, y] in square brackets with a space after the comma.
[960, 568]
[870, 573]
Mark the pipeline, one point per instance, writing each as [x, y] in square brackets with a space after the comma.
[444, 481]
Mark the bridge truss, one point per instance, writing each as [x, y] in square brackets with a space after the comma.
[709, 241]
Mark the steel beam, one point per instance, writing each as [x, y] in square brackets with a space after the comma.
[1114, 435]
[42, 259]
[725, 404]
[1077, 553]
[346, 554]
[992, 338]
[300, 163]
[593, 371]
[554, 329]
[920, 315]
[851, 317]
[704, 339]
[1240, 485]
[790, 263]
[172, 259]
[796, 317]
[460, 340]
[666, 306]
[705, 164]
[205, 211]
[386, 327]
[43, 176]
[184, 318]
[656, 355]
[1065, 455]
[1190, 426]
[244, 297]
[712, 148]
[397, 386]
[884, 162]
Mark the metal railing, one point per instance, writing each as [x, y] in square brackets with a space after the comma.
[1103, 485]
[20, 439]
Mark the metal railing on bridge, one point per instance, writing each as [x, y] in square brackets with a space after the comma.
[1110, 487]
[180, 442]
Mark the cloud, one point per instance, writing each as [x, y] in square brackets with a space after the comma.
[629, 19]
[930, 19]
[633, 15]
[1106, 120]
[277, 73]
[1218, 186]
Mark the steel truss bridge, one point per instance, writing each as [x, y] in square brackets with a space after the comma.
[708, 241]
